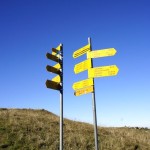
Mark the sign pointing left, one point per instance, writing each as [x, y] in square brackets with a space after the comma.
[85, 90]
[81, 51]
[82, 66]
[52, 69]
[55, 50]
[52, 57]
[53, 85]
[82, 84]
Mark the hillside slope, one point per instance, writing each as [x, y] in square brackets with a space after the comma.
[27, 129]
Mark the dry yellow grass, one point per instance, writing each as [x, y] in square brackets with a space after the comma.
[27, 129]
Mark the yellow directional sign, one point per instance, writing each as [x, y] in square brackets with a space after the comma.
[56, 79]
[55, 54]
[101, 53]
[103, 71]
[82, 66]
[53, 85]
[52, 69]
[82, 84]
[85, 90]
[52, 57]
[57, 66]
[81, 51]
[55, 50]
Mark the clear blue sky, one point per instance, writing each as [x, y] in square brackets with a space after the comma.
[30, 28]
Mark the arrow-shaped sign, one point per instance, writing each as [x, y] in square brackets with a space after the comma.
[52, 69]
[55, 50]
[53, 85]
[82, 66]
[85, 90]
[81, 51]
[52, 57]
[82, 84]
[101, 53]
[103, 71]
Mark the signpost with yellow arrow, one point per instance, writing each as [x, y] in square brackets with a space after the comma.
[87, 86]
[57, 82]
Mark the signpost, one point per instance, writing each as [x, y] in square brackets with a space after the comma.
[82, 66]
[94, 106]
[103, 71]
[82, 84]
[101, 53]
[57, 82]
[61, 97]
[88, 86]
[81, 87]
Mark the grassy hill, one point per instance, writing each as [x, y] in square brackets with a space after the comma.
[27, 129]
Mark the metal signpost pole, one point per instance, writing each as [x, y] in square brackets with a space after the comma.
[61, 99]
[94, 105]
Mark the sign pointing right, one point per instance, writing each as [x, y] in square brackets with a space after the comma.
[101, 53]
[103, 71]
